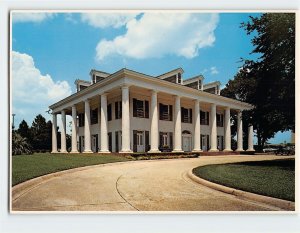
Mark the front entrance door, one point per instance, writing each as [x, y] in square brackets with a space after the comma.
[204, 142]
[140, 142]
[186, 143]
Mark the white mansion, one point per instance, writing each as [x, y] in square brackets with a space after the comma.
[128, 111]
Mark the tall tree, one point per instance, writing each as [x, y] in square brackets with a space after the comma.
[24, 130]
[41, 133]
[268, 82]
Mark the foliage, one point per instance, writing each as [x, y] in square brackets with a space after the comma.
[24, 130]
[20, 145]
[268, 83]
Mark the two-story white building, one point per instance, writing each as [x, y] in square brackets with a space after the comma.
[128, 111]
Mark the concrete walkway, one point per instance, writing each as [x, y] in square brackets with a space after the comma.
[157, 185]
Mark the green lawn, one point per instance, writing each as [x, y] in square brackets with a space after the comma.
[25, 167]
[270, 178]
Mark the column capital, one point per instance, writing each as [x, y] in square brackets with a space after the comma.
[104, 94]
[87, 100]
[227, 108]
[196, 101]
[125, 86]
[153, 91]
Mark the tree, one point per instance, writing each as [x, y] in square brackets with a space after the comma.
[20, 145]
[268, 83]
[41, 133]
[24, 130]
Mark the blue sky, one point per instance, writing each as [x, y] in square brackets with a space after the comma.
[58, 48]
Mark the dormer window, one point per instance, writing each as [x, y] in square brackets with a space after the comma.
[179, 78]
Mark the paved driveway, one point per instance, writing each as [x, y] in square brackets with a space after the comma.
[160, 185]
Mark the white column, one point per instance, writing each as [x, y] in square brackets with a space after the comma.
[197, 140]
[74, 130]
[177, 131]
[103, 131]
[125, 121]
[213, 129]
[154, 123]
[239, 132]
[250, 138]
[54, 133]
[87, 127]
[227, 130]
[63, 132]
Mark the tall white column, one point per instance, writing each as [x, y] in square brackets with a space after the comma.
[63, 132]
[154, 123]
[213, 128]
[104, 137]
[74, 130]
[239, 132]
[125, 121]
[87, 127]
[177, 131]
[197, 140]
[227, 130]
[54, 133]
[250, 138]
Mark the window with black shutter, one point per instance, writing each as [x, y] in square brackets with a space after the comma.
[179, 78]
[109, 113]
[186, 115]
[81, 120]
[140, 108]
[220, 120]
[110, 141]
[165, 112]
[94, 116]
[134, 141]
[204, 118]
[147, 143]
[118, 110]
[171, 140]
[117, 141]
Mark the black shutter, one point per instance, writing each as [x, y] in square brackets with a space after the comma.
[171, 140]
[182, 114]
[117, 141]
[134, 108]
[110, 141]
[134, 141]
[160, 139]
[208, 146]
[146, 109]
[116, 110]
[109, 116]
[191, 115]
[147, 146]
[160, 111]
[120, 103]
[171, 112]
[207, 118]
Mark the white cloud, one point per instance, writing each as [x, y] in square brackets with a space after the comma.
[214, 70]
[158, 34]
[33, 92]
[104, 20]
[18, 17]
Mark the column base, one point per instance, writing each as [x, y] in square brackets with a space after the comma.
[103, 151]
[213, 150]
[54, 152]
[154, 151]
[126, 151]
[177, 151]
[227, 150]
[250, 150]
[239, 150]
[197, 150]
[87, 152]
[63, 152]
[74, 152]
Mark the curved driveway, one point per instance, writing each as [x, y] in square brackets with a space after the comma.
[157, 185]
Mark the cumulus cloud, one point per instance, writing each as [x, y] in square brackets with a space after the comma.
[155, 35]
[104, 20]
[214, 70]
[33, 92]
[36, 17]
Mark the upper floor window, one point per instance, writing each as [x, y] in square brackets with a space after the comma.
[140, 108]
[220, 120]
[165, 112]
[80, 119]
[94, 116]
[109, 113]
[118, 110]
[204, 118]
[179, 78]
[186, 115]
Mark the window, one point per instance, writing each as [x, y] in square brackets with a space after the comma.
[204, 118]
[186, 115]
[81, 119]
[165, 112]
[220, 120]
[94, 116]
[179, 78]
[140, 108]
[118, 110]
[109, 114]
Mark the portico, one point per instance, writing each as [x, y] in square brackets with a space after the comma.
[131, 112]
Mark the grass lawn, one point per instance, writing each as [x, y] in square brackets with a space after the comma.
[25, 167]
[270, 178]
